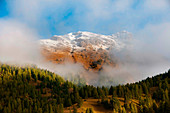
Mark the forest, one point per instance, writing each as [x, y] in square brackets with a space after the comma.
[33, 90]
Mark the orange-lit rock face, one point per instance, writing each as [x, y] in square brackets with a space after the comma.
[89, 49]
[92, 60]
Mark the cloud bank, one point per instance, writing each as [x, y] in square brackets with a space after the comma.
[17, 42]
[50, 17]
[148, 20]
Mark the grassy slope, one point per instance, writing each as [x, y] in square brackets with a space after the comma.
[97, 107]
[90, 102]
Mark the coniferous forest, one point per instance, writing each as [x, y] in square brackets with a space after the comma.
[33, 90]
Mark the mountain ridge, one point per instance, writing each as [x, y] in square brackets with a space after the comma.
[76, 39]
[89, 49]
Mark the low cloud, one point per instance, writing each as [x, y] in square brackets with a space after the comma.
[17, 42]
[143, 58]
[27, 21]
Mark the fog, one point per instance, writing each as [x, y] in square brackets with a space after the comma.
[19, 45]
[147, 55]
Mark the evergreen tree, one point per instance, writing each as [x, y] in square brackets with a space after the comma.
[145, 89]
[68, 102]
[123, 110]
[111, 90]
[74, 110]
[95, 93]
[80, 102]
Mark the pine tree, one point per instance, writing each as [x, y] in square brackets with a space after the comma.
[80, 102]
[141, 109]
[145, 109]
[40, 110]
[100, 92]
[19, 109]
[87, 110]
[9, 107]
[105, 90]
[5, 110]
[111, 90]
[68, 102]
[61, 108]
[120, 91]
[145, 89]
[85, 94]
[95, 93]
[123, 110]
[133, 108]
[81, 92]
[155, 106]
[166, 95]
[91, 110]
[167, 107]
[51, 109]
[136, 91]
[74, 110]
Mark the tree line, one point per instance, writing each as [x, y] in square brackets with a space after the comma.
[33, 90]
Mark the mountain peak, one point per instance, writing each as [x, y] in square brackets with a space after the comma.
[81, 39]
[90, 49]
[90, 34]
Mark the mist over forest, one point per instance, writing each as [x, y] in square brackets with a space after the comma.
[61, 56]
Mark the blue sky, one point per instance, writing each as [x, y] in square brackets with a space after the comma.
[3, 9]
[24, 21]
[50, 17]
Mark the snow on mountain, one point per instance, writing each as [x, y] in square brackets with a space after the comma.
[81, 40]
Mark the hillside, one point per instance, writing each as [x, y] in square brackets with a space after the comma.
[30, 89]
[89, 49]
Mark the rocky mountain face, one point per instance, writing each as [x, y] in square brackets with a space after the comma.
[88, 49]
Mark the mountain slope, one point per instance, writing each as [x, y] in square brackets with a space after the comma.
[32, 90]
[89, 49]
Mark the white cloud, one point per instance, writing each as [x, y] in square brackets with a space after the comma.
[157, 37]
[122, 5]
[106, 8]
[157, 4]
[16, 37]
[87, 15]
[17, 43]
